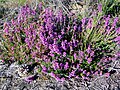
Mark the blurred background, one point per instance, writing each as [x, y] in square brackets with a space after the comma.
[83, 8]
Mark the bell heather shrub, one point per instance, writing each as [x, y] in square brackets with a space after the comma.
[62, 45]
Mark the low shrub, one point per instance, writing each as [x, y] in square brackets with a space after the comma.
[62, 45]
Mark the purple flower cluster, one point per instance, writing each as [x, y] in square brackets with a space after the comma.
[100, 7]
[61, 43]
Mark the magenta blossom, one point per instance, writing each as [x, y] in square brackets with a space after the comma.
[117, 39]
[99, 7]
[89, 60]
[66, 66]
[31, 78]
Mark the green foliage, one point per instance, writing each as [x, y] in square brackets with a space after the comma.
[3, 1]
[111, 7]
[21, 2]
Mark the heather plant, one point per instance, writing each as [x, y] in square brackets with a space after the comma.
[64, 46]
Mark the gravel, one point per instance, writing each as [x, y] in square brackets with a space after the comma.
[10, 80]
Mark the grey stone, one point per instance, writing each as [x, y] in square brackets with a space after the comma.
[37, 87]
[61, 87]
[117, 65]
[100, 83]
[4, 87]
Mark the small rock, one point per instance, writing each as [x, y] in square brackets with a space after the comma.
[117, 65]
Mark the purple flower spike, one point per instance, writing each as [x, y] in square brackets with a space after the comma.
[118, 54]
[6, 30]
[57, 78]
[68, 28]
[107, 74]
[118, 30]
[64, 45]
[51, 54]
[89, 24]
[72, 74]
[56, 49]
[81, 54]
[107, 21]
[56, 66]
[114, 23]
[40, 6]
[88, 50]
[52, 74]
[117, 39]
[88, 73]
[44, 69]
[96, 73]
[75, 27]
[100, 7]
[62, 80]
[66, 66]
[3, 61]
[78, 65]
[83, 22]
[94, 13]
[31, 78]
[13, 21]
[77, 77]
[75, 42]
[84, 72]
[92, 53]
[64, 54]
[101, 73]
[75, 56]
[89, 60]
